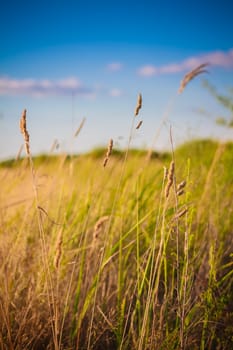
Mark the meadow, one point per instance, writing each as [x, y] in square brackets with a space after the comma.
[118, 249]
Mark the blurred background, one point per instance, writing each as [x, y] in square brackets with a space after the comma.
[68, 60]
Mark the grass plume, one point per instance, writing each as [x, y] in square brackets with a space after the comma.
[170, 178]
[191, 75]
[108, 153]
[139, 105]
[24, 131]
[139, 125]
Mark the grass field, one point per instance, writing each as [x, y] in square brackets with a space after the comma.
[118, 249]
[133, 255]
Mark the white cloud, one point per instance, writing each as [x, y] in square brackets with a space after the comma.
[44, 87]
[114, 66]
[115, 92]
[148, 71]
[217, 58]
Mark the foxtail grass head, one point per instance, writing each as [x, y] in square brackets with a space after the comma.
[24, 131]
[108, 153]
[139, 105]
[99, 225]
[170, 178]
[191, 75]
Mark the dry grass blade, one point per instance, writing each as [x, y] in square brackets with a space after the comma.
[45, 212]
[191, 75]
[139, 105]
[58, 253]
[54, 146]
[80, 127]
[180, 213]
[19, 153]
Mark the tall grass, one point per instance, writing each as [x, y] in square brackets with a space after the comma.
[122, 252]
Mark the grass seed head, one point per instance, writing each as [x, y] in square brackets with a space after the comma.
[180, 192]
[181, 185]
[24, 132]
[165, 170]
[170, 178]
[180, 188]
[191, 75]
[139, 105]
[108, 153]
[181, 213]
[99, 224]
[139, 124]
[171, 170]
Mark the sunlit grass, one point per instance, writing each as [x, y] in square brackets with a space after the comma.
[158, 275]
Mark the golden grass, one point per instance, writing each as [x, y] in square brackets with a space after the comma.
[124, 263]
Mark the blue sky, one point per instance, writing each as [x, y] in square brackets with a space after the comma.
[65, 60]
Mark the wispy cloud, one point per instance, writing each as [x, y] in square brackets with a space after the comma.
[114, 66]
[115, 92]
[45, 87]
[217, 58]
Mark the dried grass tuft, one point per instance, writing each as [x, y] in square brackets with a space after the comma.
[19, 153]
[191, 75]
